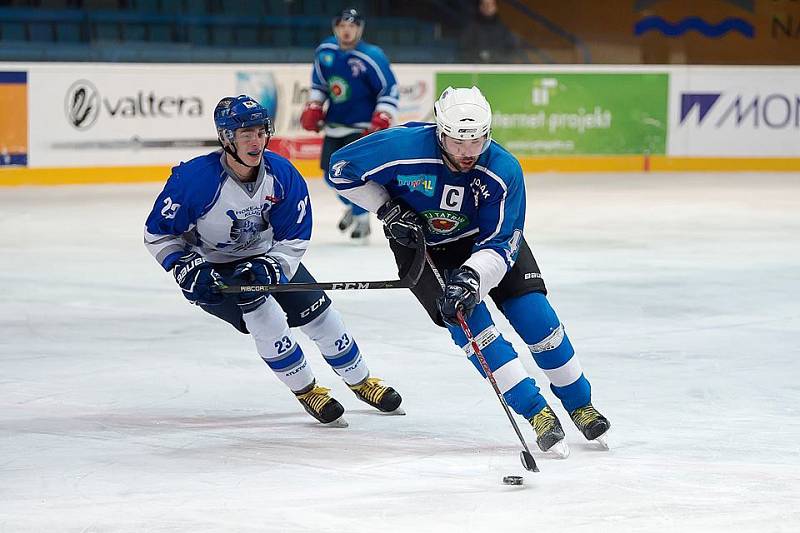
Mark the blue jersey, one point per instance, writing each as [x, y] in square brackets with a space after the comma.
[204, 208]
[355, 82]
[486, 204]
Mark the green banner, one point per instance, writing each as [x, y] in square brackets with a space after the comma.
[573, 114]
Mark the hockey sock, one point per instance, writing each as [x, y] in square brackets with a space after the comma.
[519, 389]
[536, 322]
[337, 346]
[276, 345]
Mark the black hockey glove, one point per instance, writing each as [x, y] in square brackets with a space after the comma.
[460, 293]
[400, 223]
[198, 279]
[261, 270]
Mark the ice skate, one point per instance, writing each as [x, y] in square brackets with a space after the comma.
[346, 221]
[591, 423]
[321, 406]
[383, 398]
[549, 433]
[361, 229]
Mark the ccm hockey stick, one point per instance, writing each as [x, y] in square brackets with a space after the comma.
[525, 455]
[406, 282]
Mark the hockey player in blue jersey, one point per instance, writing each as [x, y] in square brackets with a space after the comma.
[356, 81]
[468, 195]
[242, 215]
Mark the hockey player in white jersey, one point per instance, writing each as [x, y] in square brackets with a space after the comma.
[468, 195]
[242, 215]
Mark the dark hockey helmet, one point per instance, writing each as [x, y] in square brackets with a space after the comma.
[236, 112]
[349, 15]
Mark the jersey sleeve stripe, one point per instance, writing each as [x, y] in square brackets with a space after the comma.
[400, 162]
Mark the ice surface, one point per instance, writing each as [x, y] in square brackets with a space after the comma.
[123, 408]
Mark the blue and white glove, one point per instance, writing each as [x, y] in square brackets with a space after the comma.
[197, 279]
[261, 270]
[460, 293]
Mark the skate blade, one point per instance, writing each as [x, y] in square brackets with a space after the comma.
[559, 450]
[601, 441]
[397, 412]
[338, 423]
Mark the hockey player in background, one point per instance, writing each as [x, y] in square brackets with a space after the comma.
[356, 81]
[242, 215]
[468, 195]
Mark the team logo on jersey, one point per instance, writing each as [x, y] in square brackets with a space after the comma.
[246, 227]
[336, 169]
[338, 89]
[326, 58]
[452, 198]
[356, 66]
[424, 183]
[445, 222]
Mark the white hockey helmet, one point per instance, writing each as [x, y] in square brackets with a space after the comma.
[463, 114]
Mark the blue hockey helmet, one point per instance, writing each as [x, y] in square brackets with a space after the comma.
[236, 112]
[349, 15]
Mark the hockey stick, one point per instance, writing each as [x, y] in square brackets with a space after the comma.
[406, 282]
[525, 455]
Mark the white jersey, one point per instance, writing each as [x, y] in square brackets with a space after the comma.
[205, 208]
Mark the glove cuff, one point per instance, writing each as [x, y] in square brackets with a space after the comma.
[387, 209]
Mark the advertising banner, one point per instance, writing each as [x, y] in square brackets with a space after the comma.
[735, 112]
[120, 115]
[13, 117]
[550, 113]
[137, 115]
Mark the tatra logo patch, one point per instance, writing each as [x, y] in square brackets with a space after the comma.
[445, 222]
[452, 198]
[424, 183]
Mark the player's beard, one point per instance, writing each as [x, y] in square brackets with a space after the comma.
[465, 164]
[459, 164]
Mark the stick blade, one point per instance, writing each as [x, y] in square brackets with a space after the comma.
[528, 462]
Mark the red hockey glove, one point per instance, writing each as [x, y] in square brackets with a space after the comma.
[313, 116]
[380, 121]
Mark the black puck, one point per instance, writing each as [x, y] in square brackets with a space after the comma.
[512, 480]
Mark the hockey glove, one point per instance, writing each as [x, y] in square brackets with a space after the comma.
[460, 293]
[261, 270]
[198, 279]
[313, 117]
[400, 223]
[380, 121]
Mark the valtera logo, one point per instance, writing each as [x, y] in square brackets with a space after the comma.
[774, 110]
[83, 105]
